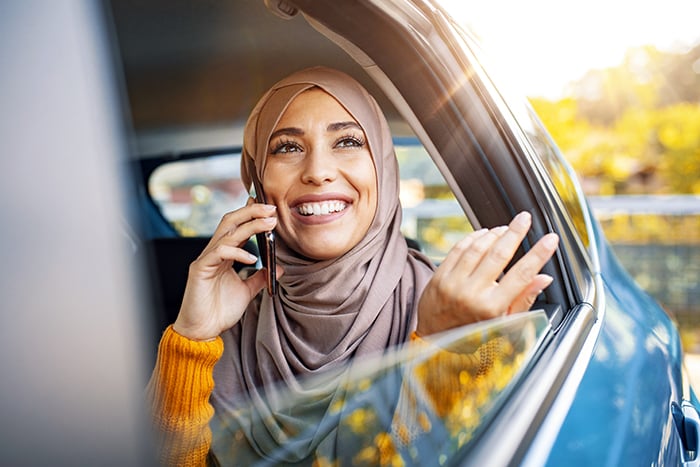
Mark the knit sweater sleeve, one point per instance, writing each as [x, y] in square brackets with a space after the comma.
[454, 377]
[455, 386]
[178, 392]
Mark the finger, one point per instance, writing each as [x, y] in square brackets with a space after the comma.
[238, 235]
[470, 258]
[223, 254]
[502, 251]
[526, 299]
[231, 220]
[455, 253]
[521, 275]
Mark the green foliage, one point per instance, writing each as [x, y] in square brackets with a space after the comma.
[629, 129]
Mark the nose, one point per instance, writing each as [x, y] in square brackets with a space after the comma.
[319, 168]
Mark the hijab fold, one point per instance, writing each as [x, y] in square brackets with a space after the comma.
[326, 312]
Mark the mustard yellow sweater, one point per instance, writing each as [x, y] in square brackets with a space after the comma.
[458, 384]
[179, 391]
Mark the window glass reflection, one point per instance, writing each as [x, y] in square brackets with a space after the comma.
[561, 174]
[412, 406]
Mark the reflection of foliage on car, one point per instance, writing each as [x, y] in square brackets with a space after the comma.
[411, 407]
[446, 394]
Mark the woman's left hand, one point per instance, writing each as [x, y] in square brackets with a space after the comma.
[469, 285]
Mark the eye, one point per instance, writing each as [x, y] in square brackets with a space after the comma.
[350, 141]
[285, 147]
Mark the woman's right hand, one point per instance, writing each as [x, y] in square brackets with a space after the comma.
[215, 295]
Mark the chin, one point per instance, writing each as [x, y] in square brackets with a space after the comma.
[325, 250]
[326, 254]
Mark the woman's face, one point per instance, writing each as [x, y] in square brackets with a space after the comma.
[321, 176]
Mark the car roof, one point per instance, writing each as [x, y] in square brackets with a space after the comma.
[192, 75]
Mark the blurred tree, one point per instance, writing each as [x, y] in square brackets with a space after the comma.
[678, 133]
[681, 82]
[634, 128]
[605, 95]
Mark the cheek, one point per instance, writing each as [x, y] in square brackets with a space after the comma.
[276, 182]
[369, 183]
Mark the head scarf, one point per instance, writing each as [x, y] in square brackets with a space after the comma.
[326, 312]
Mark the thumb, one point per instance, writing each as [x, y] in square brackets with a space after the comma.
[256, 282]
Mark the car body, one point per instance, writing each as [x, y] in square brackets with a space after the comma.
[602, 382]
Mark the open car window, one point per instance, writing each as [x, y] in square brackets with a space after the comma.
[194, 193]
[421, 404]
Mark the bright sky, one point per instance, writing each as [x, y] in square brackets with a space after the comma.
[554, 42]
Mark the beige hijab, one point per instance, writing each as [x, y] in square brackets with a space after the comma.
[326, 312]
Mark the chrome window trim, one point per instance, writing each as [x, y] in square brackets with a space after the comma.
[547, 432]
[526, 427]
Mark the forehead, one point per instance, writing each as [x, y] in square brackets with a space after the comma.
[314, 106]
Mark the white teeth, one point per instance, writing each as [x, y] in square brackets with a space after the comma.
[321, 209]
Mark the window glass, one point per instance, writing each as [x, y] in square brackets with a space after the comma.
[431, 214]
[562, 175]
[417, 405]
[194, 194]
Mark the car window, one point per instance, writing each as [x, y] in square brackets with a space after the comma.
[562, 175]
[193, 195]
[431, 214]
[417, 405]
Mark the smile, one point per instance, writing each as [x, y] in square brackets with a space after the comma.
[322, 208]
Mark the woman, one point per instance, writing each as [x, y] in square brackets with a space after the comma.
[349, 286]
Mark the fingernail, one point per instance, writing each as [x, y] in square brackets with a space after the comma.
[500, 229]
[269, 207]
[551, 240]
[270, 220]
[522, 219]
[546, 280]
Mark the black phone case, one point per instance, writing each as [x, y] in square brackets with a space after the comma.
[266, 247]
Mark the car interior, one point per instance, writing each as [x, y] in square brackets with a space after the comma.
[184, 75]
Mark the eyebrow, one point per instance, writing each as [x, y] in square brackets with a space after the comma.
[287, 131]
[293, 131]
[343, 125]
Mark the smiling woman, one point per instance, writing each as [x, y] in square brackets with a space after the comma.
[349, 286]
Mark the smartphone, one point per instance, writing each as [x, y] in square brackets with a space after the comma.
[266, 246]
